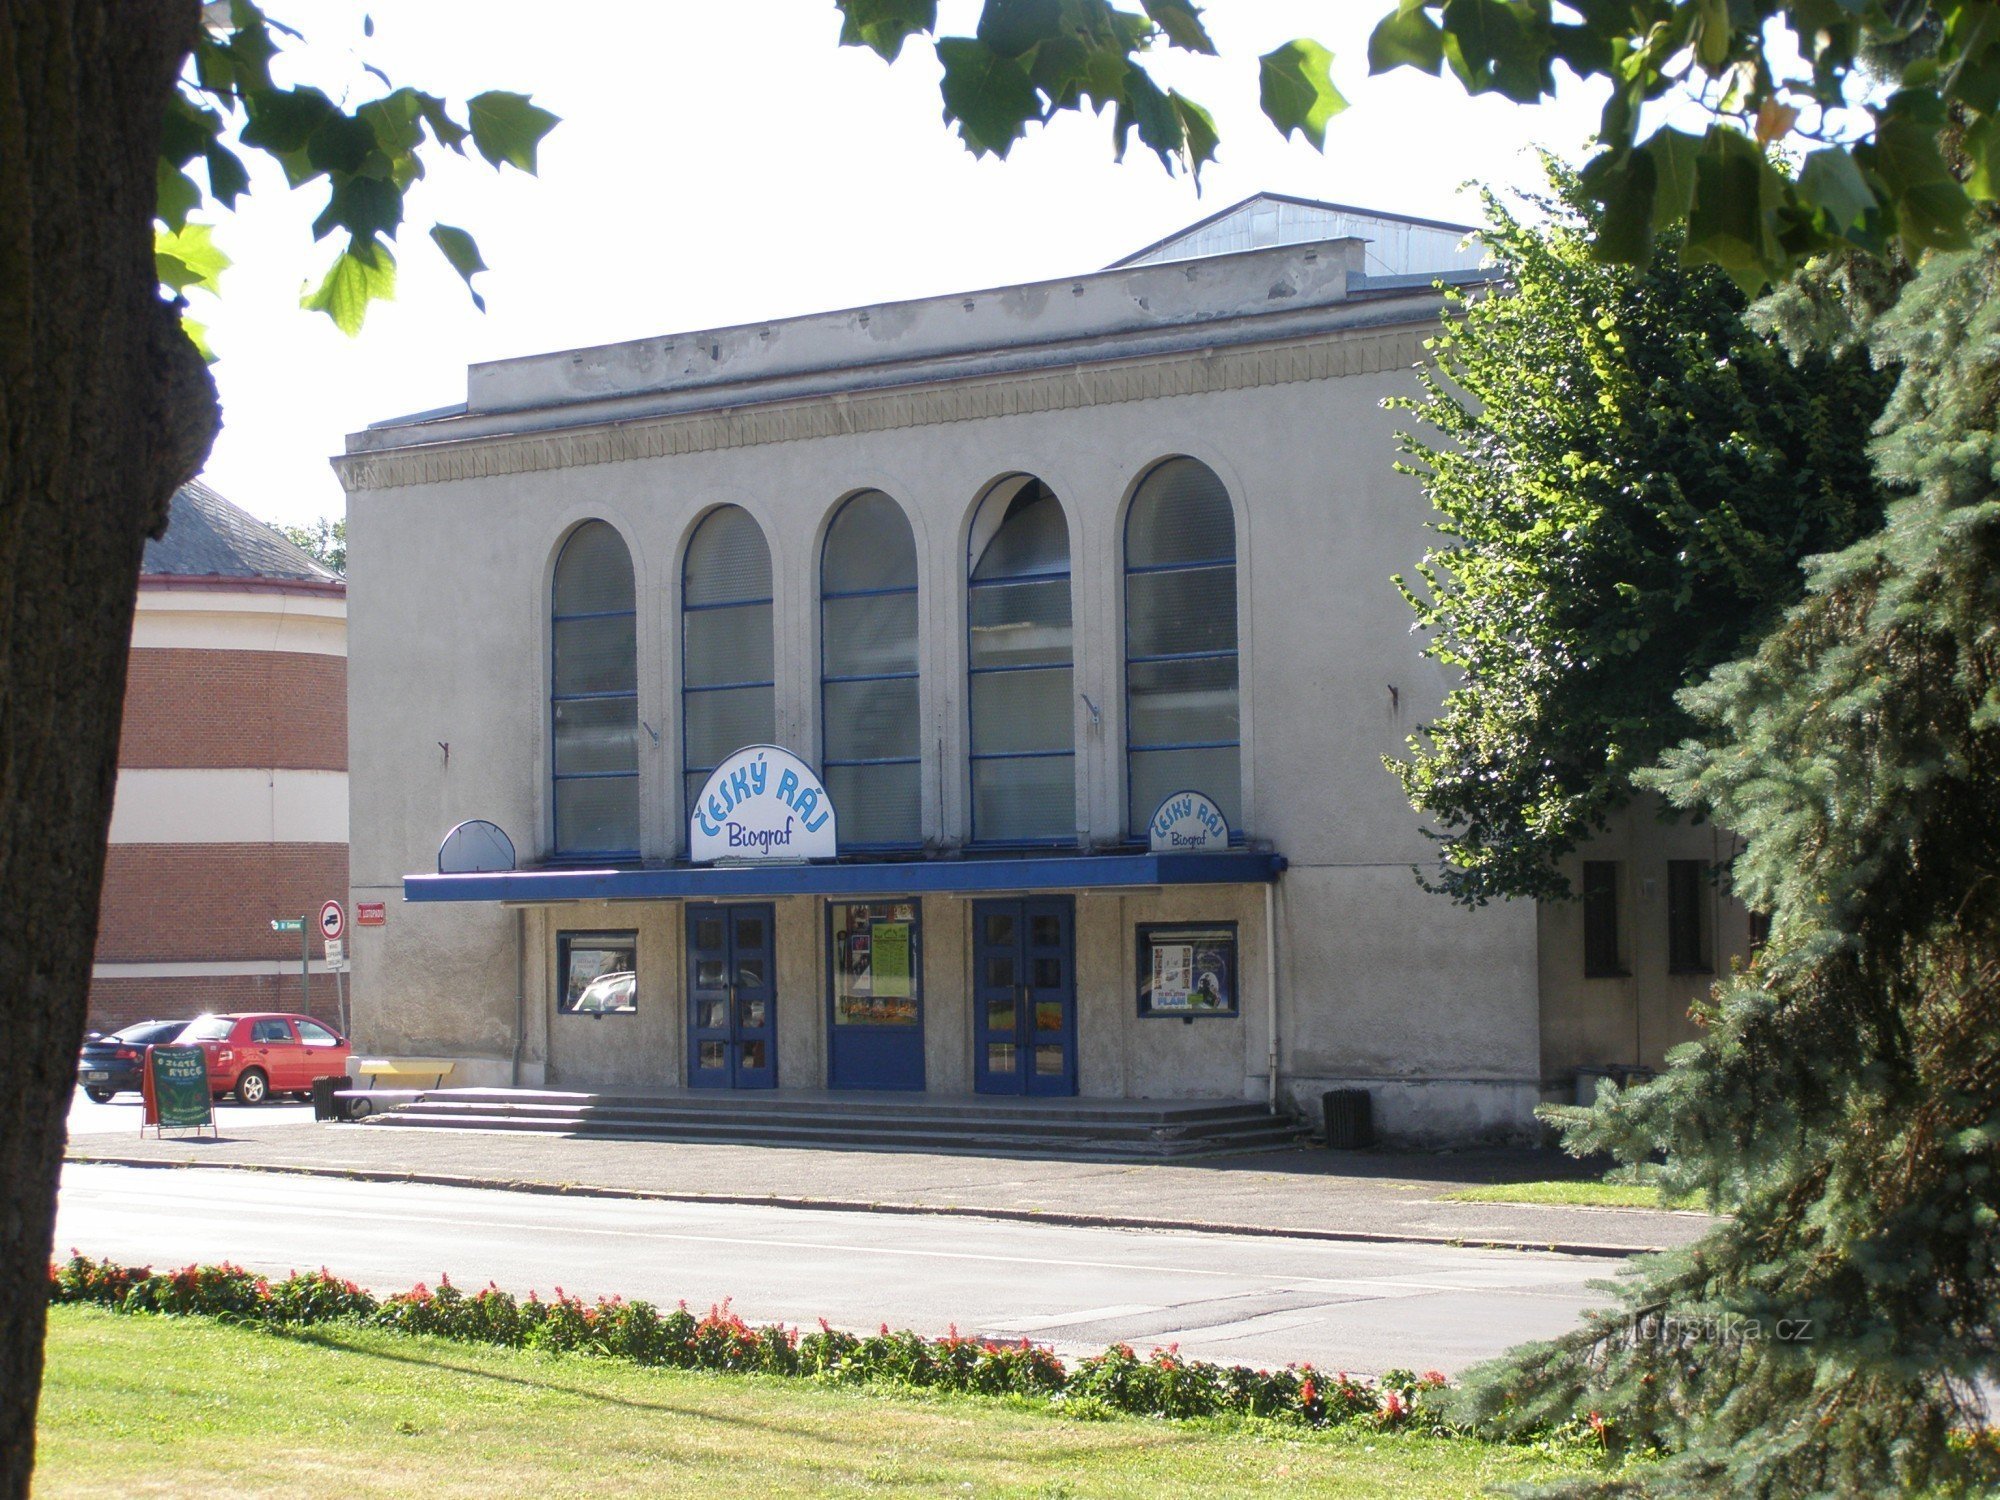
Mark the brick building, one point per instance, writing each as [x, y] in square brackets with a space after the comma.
[232, 774]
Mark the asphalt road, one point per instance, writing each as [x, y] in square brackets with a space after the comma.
[1238, 1299]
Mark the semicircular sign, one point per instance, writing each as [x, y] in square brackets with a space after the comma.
[1187, 823]
[762, 803]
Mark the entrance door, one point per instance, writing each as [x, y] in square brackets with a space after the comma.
[732, 998]
[1024, 996]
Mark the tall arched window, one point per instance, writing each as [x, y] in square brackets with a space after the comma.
[1020, 668]
[728, 697]
[1182, 728]
[870, 732]
[594, 696]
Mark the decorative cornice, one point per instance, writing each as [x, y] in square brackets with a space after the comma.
[1324, 357]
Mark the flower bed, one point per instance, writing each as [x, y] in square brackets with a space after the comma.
[1161, 1383]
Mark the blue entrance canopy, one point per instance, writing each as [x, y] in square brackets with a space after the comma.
[1064, 872]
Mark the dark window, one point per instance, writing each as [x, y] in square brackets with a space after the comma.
[870, 731]
[1020, 677]
[1182, 730]
[271, 1031]
[1601, 958]
[599, 973]
[1687, 917]
[728, 692]
[1760, 929]
[594, 695]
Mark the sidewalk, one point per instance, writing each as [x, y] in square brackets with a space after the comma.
[1306, 1192]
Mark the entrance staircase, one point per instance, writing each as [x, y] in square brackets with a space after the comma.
[1075, 1129]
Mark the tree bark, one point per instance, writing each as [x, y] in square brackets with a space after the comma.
[104, 409]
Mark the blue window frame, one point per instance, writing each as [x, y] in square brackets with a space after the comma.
[594, 697]
[1183, 727]
[728, 680]
[871, 734]
[1020, 668]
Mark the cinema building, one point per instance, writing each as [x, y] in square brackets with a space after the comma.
[977, 695]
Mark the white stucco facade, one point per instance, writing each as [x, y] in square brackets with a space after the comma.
[1269, 367]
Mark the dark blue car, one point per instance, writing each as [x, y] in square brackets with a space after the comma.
[111, 1064]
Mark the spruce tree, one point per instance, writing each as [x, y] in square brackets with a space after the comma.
[1843, 1104]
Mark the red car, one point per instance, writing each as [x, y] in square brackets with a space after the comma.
[255, 1054]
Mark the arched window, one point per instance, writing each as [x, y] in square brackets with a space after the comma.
[1020, 668]
[871, 736]
[1182, 728]
[594, 696]
[728, 697]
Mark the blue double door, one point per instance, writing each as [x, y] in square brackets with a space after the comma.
[1024, 996]
[732, 997]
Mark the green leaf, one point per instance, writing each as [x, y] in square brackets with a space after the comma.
[1198, 132]
[228, 180]
[1673, 154]
[1142, 103]
[1982, 149]
[507, 127]
[174, 195]
[364, 272]
[1296, 85]
[1181, 21]
[1931, 207]
[882, 26]
[1625, 185]
[281, 121]
[1492, 50]
[435, 114]
[197, 334]
[189, 258]
[1406, 38]
[990, 97]
[1711, 33]
[463, 253]
[363, 206]
[1830, 182]
[1731, 222]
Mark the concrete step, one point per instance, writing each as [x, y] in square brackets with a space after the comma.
[1142, 1130]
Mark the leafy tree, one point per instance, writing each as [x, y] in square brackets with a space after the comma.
[1628, 477]
[325, 539]
[1872, 173]
[117, 123]
[1844, 1102]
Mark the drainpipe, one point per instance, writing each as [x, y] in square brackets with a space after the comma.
[520, 989]
[1271, 988]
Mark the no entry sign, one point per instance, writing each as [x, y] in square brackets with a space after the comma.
[332, 920]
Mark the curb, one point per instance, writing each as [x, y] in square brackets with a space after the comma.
[1068, 1219]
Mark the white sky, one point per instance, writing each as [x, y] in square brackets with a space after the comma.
[726, 163]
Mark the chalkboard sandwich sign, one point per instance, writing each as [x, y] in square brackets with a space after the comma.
[174, 1089]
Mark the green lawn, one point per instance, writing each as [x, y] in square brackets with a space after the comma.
[141, 1405]
[1574, 1194]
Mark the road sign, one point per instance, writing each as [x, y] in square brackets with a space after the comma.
[287, 924]
[336, 952]
[332, 920]
[370, 913]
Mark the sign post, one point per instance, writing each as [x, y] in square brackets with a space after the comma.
[174, 1090]
[333, 923]
[298, 925]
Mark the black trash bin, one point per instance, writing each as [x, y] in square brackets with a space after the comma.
[1350, 1119]
[325, 1106]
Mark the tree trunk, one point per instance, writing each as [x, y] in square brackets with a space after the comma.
[104, 409]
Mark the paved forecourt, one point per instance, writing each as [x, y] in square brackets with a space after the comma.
[1242, 1299]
